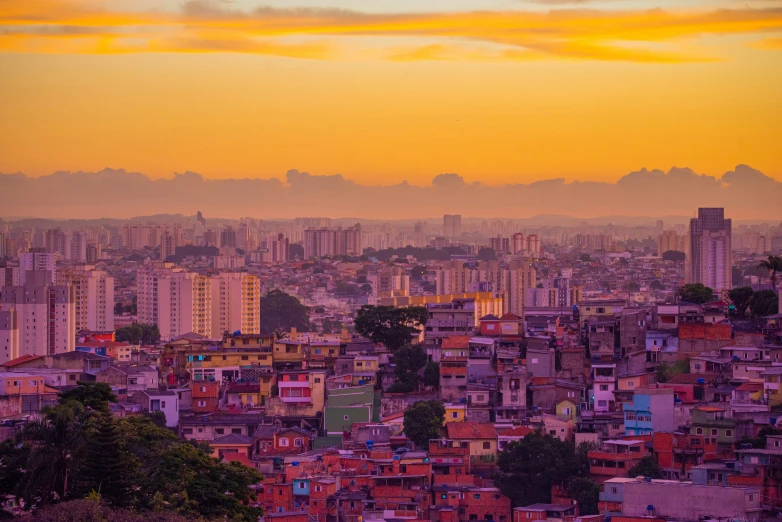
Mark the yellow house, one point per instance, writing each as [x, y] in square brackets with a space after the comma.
[772, 378]
[228, 363]
[300, 392]
[480, 438]
[566, 409]
[559, 427]
[454, 412]
[365, 369]
[248, 341]
[288, 352]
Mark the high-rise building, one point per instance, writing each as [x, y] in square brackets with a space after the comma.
[533, 244]
[37, 259]
[710, 256]
[509, 281]
[332, 242]
[276, 249]
[389, 282]
[501, 245]
[93, 297]
[77, 248]
[180, 302]
[37, 318]
[236, 302]
[517, 243]
[669, 240]
[452, 225]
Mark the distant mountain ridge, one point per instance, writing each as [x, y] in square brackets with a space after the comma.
[746, 194]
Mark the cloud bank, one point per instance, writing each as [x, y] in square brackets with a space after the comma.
[211, 26]
[745, 193]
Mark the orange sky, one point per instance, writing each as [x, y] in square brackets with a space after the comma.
[586, 91]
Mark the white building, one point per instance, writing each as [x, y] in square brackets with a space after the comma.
[236, 299]
[36, 261]
[709, 253]
[39, 318]
[93, 296]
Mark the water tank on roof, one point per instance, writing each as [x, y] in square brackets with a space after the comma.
[463, 400]
[238, 332]
[701, 380]
[361, 382]
[295, 463]
[370, 444]
[648, 479]
[396, 457]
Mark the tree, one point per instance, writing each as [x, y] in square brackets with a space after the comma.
[280, 312]
[13, 459]
[587, 493]
[585, 258]
[763, 303]
[632, 286]
[106, 465]
[118, 308]
[666, 371]
[774, 265]
[646, 467]
[138, 333]
[741, 297]
[528, 468]
[432, 374]
[674, 255]
[696, 293]
[657, 285]
[391, 326]
[56, 441]
[93, 395]
[423, 421]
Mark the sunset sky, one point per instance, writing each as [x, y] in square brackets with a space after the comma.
[498, 91]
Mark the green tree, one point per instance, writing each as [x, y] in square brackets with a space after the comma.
[56, 440]
[585, 258]
[632, 286]
[587, 493]
[391, 326]
[528, 468]
[666, 371]
[94, 395]
[280, 312]
[13, 459]
[408, 361]
[432, 374]
[764, 302]
[118, 308]
[646, 467]
[423, 421]
[138, 333]
[774, 266]
[107, 469]
[741, 297]
[657, 285]
[696, 293]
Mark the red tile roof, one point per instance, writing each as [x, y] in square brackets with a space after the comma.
[518, 431]
[456, 341]
[21, 360]
[241, 458]
[470, 430]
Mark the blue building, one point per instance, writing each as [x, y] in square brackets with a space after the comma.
[651, 410]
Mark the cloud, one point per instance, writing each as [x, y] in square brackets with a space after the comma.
[745, 193]
[201, 26]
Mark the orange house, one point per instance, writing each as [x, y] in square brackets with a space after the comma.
[205, 396]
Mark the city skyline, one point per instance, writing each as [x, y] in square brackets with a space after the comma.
[498, 92]
[745, 193]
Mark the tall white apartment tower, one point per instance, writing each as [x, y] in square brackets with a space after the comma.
[710, 258]
[37, 318]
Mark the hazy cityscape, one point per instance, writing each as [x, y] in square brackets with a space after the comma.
[390, 261]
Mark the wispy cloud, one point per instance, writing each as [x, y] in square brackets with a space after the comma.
[202, 26]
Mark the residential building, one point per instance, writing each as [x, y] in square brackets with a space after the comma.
[93, 297]
[235, 302]
[651, 411]
[709, 254]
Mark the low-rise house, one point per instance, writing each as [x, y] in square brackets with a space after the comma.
[165, 402]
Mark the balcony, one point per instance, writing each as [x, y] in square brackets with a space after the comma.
[296, 400]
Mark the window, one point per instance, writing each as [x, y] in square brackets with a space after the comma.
[219, 431]
[728, 433]
[317, 380]
[454, 414]
[487, 445]
[614, 490]
[202, 404]
[631, 384]
[302, 485]
[283, 442]
[699, 431]
[603, 387]
[602, 403]
[203, 389]
[345, 417]
[630, 416]
[297, 442]
[714, 432]
[237, 431]
[318, 489]
[477, 496]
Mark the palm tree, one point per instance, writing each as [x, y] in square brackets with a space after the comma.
[773, 265]
[54, 437]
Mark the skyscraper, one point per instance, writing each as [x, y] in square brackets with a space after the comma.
[710, 259]
[452, 225]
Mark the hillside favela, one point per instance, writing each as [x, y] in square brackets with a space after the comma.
[390, 260]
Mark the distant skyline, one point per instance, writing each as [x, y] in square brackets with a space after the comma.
[498, 91]
[745, 193]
